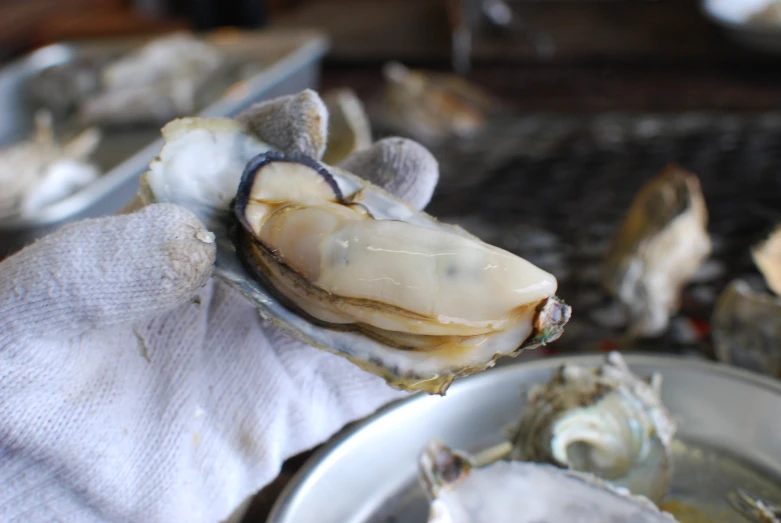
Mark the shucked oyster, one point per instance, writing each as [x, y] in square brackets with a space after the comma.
[462, 491]
[662, 243]
[602, 420]
[345, 266]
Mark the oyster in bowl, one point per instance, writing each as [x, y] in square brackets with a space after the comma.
[347, 267]
[605, 421]
[462, 490]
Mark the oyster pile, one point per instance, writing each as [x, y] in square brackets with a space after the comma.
[460, 490]
[660, 246]
[746, 322]
[430, 107]
[38, 172]
[345, 266]
[168, 77]
[605, 421]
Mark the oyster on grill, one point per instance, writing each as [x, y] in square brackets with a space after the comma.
[746, 328]
[345, 266]
[605, 421]
[430, 107]
[767, 257]
[746, 322]
[460, 490]
[660, 246]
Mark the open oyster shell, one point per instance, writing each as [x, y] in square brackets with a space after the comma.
[661, 244]
[462, 491]
[605, 421]
[266, 244]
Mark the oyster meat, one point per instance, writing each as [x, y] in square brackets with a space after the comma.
[462, 491]
[660, 246]
[41, 171]
[345, 266]
[605, 421]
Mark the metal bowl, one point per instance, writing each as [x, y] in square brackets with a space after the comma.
[729, 437]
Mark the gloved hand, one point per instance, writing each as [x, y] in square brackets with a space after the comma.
[133, 387]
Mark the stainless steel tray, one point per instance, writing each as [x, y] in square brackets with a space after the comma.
[290, 62]
[729, 437]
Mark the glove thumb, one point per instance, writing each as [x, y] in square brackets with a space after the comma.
[104, 271]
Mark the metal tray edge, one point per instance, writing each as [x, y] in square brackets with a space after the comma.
[315, 48]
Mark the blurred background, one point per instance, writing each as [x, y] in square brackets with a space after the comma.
[552, 54]
[550, 119]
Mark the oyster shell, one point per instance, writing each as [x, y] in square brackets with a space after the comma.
[349, 129]
[661, 244]
[462, 491]
[746, 328]
[372, 314]
[431, 107]
[40, 171]
[605, 421]
[169, 76]
[767, 257]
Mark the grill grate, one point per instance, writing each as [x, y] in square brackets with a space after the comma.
[554, 189]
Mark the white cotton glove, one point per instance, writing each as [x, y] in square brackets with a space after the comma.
[135, 388]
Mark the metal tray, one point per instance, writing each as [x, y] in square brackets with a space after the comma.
[290, 62]
[729, 437]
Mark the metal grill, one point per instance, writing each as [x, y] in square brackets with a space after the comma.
[554, 190]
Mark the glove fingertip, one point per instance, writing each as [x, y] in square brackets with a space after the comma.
[106, 271]
[401, 166]
[190, 251]
[296, 123]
